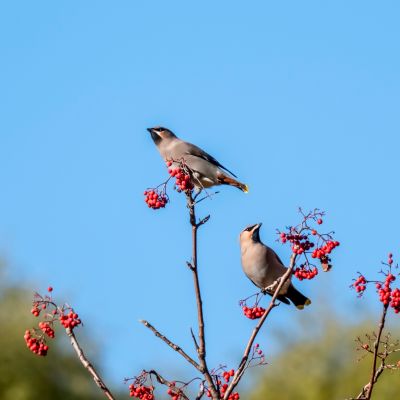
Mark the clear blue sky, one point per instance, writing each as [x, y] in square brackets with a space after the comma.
[299, 99]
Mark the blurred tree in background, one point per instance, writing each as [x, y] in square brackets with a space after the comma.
[24, 376]
[324, 367]
[321, 366]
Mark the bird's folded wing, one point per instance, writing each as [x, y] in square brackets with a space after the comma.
[197, 152]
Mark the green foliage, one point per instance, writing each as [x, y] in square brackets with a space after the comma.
[25, 376]
[324, 368]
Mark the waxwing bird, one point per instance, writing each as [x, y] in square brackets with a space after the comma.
[263, 267]
[206, 170]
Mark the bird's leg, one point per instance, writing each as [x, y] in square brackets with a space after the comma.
[271, 288]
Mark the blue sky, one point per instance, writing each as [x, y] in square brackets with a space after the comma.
[299, 99]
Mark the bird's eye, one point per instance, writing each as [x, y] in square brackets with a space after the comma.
[248, 229]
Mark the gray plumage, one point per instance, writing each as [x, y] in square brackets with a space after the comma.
[206, 170]
[263, 267]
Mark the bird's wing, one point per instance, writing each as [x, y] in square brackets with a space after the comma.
[197, 152]
[280, 297]
[272, 256]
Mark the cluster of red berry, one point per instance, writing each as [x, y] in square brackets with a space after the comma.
[385, 291]
[174, 392]
[300, 243]
[47, 329]
[387, 295]
[253, 312]
[183, 182]
[35, 345]
[233, 396]
[35, 310]
[394, 297]
[325, 250]
[395, 303]
[38, 344]
[360, 284]
[226, 375]
[303, 272]
[70, 320]
[141, 392]
[155, 199]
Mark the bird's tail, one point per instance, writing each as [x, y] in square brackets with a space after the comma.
[226, 180]
[298, 299]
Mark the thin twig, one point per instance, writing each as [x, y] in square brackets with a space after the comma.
[201, 391]
[203, 221]
[366, 392]
[196, 345]
[171, 344]
[242, 366]
[86, 363]
[163, 381]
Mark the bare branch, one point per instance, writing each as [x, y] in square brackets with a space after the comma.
[171, 344]
[201, 352]
[86, 363]
[366, 391]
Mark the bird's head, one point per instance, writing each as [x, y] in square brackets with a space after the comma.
[158, 134]
[250, 233]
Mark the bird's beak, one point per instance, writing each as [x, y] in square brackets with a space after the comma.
[155, 136]
[257, 227]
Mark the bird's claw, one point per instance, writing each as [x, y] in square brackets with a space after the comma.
[271, 288]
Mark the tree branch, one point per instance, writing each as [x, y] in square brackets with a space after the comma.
[201, 352]
[242, 366]
[86, 363]
[172, 345]
[366, 392]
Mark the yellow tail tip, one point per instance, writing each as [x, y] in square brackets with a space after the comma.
[245, 189]
[301, 306]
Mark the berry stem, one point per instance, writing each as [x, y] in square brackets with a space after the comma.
[86, 363]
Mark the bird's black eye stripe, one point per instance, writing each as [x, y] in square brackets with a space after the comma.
[248, 229]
